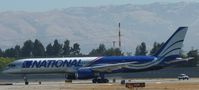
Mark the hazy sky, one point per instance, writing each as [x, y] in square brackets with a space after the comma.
[45, 5]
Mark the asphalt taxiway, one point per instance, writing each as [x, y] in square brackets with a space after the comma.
[151, 84]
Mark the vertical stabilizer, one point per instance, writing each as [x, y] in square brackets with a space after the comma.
[172, 47]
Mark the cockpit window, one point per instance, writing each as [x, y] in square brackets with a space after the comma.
[11, 65]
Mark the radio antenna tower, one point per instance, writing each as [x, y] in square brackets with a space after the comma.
[119, 34]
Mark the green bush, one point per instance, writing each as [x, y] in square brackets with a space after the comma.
[5, 61]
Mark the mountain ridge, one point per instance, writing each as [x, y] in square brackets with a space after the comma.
[90, 26]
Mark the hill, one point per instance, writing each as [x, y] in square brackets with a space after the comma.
[91, 26]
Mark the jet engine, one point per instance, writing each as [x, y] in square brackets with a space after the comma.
[84, 74]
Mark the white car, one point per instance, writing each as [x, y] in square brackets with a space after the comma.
[183, 77]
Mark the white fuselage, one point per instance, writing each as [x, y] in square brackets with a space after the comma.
[48, 65]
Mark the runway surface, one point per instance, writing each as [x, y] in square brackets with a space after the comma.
[151, 84]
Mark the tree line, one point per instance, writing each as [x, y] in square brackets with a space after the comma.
[37, 49]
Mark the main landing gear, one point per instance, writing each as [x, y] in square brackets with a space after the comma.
[25, 79]
[100, 79]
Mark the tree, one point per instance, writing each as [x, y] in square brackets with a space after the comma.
[75, 50]
[100, 51]
[93, 53]
[38, 49]
[49, 50]
[9, 52]
[193, 53]
[1, 53]
[66, 48]
[57, 48]
[5, 61]
[26, 50]
[114, 52]
[17, 51]
[156, 47]
[129, 53]
[141, 49]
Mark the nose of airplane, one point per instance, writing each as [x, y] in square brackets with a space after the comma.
[5, 71]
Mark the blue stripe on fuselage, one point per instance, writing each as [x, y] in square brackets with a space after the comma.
[122, 59]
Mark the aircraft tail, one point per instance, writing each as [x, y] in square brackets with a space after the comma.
[171, 49]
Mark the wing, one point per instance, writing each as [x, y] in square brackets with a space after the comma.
[109, 67]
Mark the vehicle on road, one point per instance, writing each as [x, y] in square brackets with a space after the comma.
[183, 77]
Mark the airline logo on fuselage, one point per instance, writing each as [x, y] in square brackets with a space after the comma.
[51, 63]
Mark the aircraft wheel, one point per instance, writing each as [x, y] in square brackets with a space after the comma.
[94, 80]
[26, 83]
[102, 81]
[106, 81]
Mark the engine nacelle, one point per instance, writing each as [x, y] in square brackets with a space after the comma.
[84, 74]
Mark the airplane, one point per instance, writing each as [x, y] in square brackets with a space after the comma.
[95, 68]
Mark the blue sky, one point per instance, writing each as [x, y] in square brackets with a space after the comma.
[45, 5]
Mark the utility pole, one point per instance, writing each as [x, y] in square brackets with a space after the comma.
[119, 34]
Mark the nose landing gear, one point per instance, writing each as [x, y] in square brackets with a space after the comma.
[25, 79]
